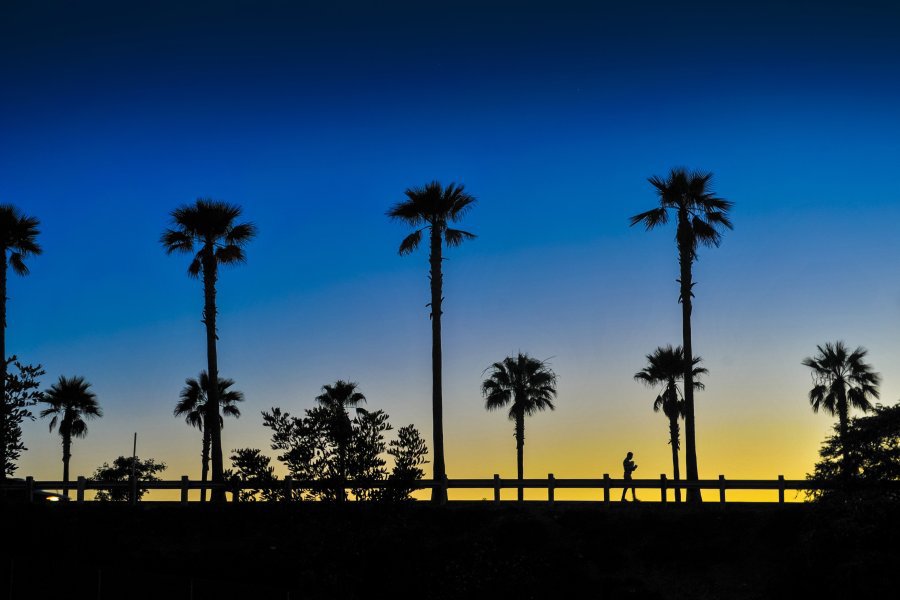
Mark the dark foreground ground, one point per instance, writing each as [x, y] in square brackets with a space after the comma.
[419, 551]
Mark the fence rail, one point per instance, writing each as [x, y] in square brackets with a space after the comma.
[30, 487]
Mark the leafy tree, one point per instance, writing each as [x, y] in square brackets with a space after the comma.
[842, 380]
[70, 401]
[307, 449]
[665, 369]
[250, 465]
[861, 457]
[21, 393]
[18, 241]
[700, 217]
[120, 472]
[209, 230]
[367, 446]
[409, 452]
[192, 406]
[433, 208]
[526, 385]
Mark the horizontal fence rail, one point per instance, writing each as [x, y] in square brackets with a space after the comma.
[29, 489]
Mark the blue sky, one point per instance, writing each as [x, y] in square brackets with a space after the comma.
[553, 115]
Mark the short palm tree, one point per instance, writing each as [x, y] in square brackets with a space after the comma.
[18, 241]
[434, 208]
[209, 230]
[526, 385]
[192, 406]
[70, 401]
[842, 380]
[700, 216]
[665, 368]
[338, 398]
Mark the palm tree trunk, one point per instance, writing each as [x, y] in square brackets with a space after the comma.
[67, 454]
[204, 467]
[520, 452]
[212, 394]
[673, 440]
[438, 493]
[685, 260]
[843, 426]
[4, 409]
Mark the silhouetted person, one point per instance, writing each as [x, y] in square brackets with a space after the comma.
[629, 467]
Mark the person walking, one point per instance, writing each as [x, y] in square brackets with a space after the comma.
[629, 467]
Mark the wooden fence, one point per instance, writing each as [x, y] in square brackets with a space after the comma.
[30, 488]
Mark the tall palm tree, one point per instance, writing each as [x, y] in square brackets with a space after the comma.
[700, 217]
[433, 208]
[338, 398]
[209, 230]
[842, 380]
[526, 385]
[70, 401]
[665, 368]
[18, 235]
[192, 406]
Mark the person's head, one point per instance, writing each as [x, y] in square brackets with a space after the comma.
[630, 454]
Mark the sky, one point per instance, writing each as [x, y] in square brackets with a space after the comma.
[315, 117]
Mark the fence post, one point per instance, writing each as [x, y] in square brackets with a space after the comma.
[606, 489]
[288, 488]
[444, 486]
[79, 495]
[663, 487]
[551, 489]
[781, 489]
[496, 488]
[722, 490]
[184, 489]
[29, 488]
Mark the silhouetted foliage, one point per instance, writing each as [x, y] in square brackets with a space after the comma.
[250, 465]
[70, 401]
[192, 406]
[842, 380]
[701, 216]
[665, 368]
[409, 452]
[337, 398]
[865, 454]
[433, 208]
[526, 385]
[20, 394]
[208, 229]
[120, 471]
[18, 241]
[309, 449]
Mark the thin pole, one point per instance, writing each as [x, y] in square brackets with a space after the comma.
[134, 470]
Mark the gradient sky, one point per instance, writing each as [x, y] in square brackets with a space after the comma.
[316, 116]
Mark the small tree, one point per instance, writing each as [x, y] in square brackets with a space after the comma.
[367, 446]
[120, 472]
[20, 394]
[409, 452]
[250, 465]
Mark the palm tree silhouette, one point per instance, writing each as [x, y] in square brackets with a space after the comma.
[700, 215]
[434, 208]
[338, 398]
[842, 380]
[18, 234]
[192, 406]
[70, 402]
[527, 385]
[665, 368]
[208, 230]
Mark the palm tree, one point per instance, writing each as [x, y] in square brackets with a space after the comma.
[70, 402]
[700, 217]
[434, 208]
[18, 234]
[665, 368]
[208, 230]
[192, 406]
[337, 399]
[526, 385]
[842, 380]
